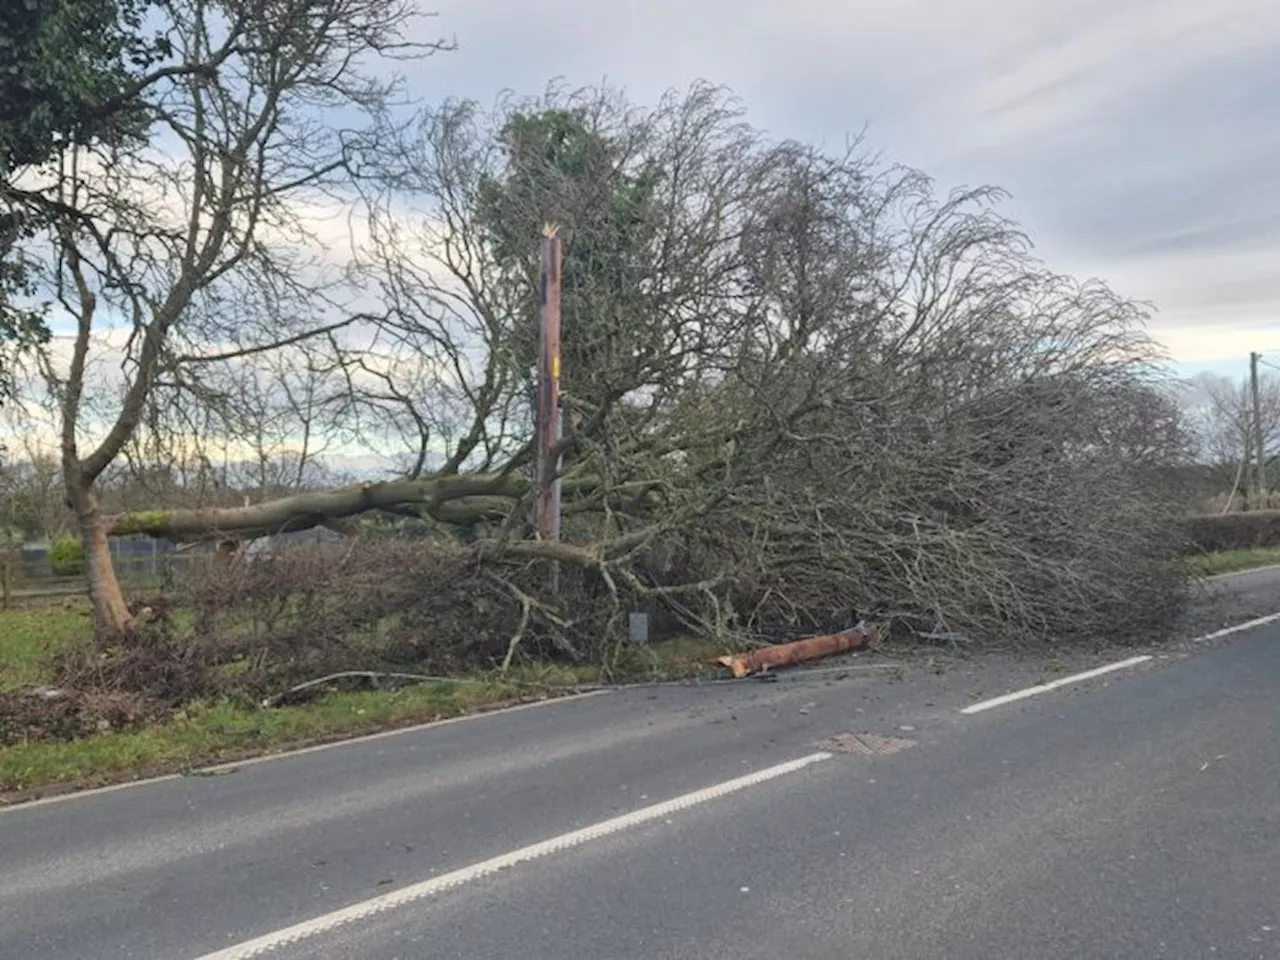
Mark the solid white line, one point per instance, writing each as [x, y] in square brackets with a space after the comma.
[298, 751]
[384, 734]
[456, 878]
[1046, 687]
[91, 792]
[1245, 572]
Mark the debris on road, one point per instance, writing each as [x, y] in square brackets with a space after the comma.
[797, 651]
[864, 744]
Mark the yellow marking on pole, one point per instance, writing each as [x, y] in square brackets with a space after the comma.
[555, 366]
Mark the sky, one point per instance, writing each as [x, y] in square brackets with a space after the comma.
[1140, 139]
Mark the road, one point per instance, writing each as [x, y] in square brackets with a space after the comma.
[1133, 815]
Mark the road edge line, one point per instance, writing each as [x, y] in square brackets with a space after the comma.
[1240, 573]
[385, 734]
[295, 752]
[366, 909]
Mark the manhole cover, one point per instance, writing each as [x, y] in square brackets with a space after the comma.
[865, 744]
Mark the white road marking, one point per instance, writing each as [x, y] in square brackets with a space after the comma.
[284, 754]
[384, 734]
[91, 792]
[1270, 567]
[476, 871]
[1054, 685]
[298, 751]
[1122, 665]
[1238, 628]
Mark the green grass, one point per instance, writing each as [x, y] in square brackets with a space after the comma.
[673, 659]
[1232, 561]
[207, 733]
[30, 634]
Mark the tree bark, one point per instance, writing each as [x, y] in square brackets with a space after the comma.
[460, 500]
[110, 612]
[452, 499]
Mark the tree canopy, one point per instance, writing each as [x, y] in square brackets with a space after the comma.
[70, 73]
[560, 171]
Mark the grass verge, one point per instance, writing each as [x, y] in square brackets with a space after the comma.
[1233, 561]
[30, 634]
[208, 733]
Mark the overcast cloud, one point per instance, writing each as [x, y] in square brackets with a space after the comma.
[1140, 138]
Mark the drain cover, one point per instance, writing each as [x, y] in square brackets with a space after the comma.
[864, 744]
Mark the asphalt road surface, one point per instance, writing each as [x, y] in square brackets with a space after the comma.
[1136, 814]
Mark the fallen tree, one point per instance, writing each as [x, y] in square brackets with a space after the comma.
[802, 390]
[450, 499]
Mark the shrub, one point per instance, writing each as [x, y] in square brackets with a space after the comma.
[367, 604]
[66, 557]
[1234, 531]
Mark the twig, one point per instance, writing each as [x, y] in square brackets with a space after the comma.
[526, 610]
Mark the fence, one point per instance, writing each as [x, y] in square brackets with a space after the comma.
[27, 573]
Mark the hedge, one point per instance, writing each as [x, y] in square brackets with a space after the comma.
[1233, 531]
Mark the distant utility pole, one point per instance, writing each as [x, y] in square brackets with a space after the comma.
[548, 416]
[1260, 458]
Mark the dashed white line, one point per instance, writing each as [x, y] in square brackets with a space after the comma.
[429, 888]
[1238, 628]
[1111, 667]
[1054, 685]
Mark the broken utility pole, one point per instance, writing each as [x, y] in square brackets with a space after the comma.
[798, 651]
[548, 414]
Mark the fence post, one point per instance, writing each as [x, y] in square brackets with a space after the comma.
[6, 579]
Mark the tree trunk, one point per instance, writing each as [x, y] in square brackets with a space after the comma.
[465, 498]
[110, 612]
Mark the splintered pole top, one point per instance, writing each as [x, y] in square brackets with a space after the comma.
[550, 229]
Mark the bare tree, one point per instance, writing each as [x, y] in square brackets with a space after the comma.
[31, 495]
[1223, 412]
[193, 248]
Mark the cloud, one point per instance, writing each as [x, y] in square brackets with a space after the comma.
[1075, 70]
[1138, 137]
